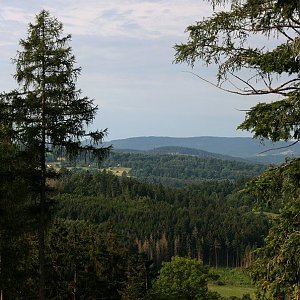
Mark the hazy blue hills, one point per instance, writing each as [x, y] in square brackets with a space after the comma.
[177, 150]
[232, 147]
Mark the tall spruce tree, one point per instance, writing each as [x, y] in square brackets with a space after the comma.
[47, 111]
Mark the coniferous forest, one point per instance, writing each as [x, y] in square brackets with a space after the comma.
[81, 221]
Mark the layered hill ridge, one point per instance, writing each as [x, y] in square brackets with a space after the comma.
[236, 147]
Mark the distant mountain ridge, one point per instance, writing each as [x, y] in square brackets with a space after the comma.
[238, 147]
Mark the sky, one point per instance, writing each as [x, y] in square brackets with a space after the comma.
[125, 49]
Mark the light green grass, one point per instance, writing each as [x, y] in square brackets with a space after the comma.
[231, 290]
[232, 282]
[233, 276]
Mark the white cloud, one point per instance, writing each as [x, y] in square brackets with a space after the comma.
[11, 13]
[128, 18]
[139, 19]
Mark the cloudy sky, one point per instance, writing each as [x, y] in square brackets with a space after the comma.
[125, 49]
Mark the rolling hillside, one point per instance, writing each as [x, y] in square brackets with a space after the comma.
[242, 147]
[177, 169]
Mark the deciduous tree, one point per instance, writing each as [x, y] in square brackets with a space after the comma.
[255, 45]
[182, 278]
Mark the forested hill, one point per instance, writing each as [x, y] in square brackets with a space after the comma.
[233, 146]
[177, 169]
[176, 150]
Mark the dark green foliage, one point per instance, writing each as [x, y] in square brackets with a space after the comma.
[277, 270]
[275, 121]
[84, 262]
[18, 253]
[140, 272]
[277, 185]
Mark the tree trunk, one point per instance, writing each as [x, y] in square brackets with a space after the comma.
[227, 257]
[75, 285]
[216, 257]
[42, 222]
[1, 291]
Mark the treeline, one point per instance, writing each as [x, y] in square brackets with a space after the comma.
[177, 170]
[201, 221]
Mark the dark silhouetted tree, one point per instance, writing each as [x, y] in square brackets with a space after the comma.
[47, 111]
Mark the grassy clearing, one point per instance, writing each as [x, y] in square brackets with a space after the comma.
[232, 282]
[119, 171]
[232, 290]
[85, 168]
[234, 276]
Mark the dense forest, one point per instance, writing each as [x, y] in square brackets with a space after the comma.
[106, 228]
[208, 221]
[76, 223]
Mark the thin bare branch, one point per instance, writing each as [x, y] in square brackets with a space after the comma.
[245, 82]
[285, 34]
[234, 85]
[215, 85]
[288, 82]
[246, 110]
[251, 92]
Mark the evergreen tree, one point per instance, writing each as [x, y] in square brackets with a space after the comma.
[277, 269]
[84, 262]
[47, 111]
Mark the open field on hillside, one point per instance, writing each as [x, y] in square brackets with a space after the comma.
[232, 282]
[119, 171]
[232, 290]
